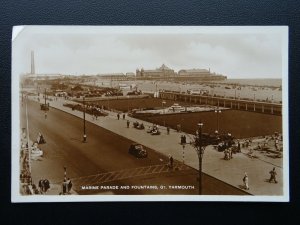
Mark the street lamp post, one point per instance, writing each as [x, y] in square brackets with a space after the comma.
[127, 103]
[45, 105]
[65, 173]
[183, 147]
[45, 98]
[108, 108]
[162, 104]
[84, 131]
[199, 147]
[200, 152]
[217, 111]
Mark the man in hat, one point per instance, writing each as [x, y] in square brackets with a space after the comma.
[273, 176]
[170, 161]
[128, 123]
[246, 181]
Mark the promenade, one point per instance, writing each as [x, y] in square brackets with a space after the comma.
[230, 171]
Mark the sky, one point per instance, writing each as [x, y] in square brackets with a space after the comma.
[237, 52]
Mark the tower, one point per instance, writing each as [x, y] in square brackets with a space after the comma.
[32, 63]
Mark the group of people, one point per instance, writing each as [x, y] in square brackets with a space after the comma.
[137, 125]
[31, 189]
[25, 174]
[272, 178]
[154, 130]
[119, 115]
[40, 139]
[44, 186]
[25, 177]
[228, 154]
[182, 139]
[66, 186]
[265, 144]
[95, 116]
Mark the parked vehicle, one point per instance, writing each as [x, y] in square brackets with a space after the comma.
[139, 126]
[226, 140]
[45, 107]
[137, 150]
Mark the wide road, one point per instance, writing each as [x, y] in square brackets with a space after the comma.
[104, 152]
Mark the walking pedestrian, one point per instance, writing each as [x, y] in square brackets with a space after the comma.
[46, 185]
[273, 176]
[41, 186]
[45, 115]
[123, 116]
[35, 189]
[182, 139]
[170, 161]
[276, 144]
[118, 115]
[128, 123]
[226, 154]
[64, 186]
[69, 185]
[246, 181]
[230, 153]
[168, 130]
[239, 147]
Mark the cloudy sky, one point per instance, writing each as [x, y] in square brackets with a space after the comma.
[235, 52]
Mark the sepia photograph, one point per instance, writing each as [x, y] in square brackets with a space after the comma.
[150, 113]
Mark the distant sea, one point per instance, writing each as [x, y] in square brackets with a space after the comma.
[260, 82]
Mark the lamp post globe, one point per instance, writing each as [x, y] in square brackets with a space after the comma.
[217, 111]
[162, 104]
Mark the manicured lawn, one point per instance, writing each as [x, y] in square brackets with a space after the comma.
[240, 124]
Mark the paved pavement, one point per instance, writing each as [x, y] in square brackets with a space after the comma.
[230, 171]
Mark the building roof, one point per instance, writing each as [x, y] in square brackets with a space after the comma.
[164, 67]
[152, 71]
[195, 71]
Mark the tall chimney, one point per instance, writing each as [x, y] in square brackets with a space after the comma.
[32, 63]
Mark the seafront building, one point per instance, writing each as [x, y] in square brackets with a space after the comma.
[161, 72]
[166, 73]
